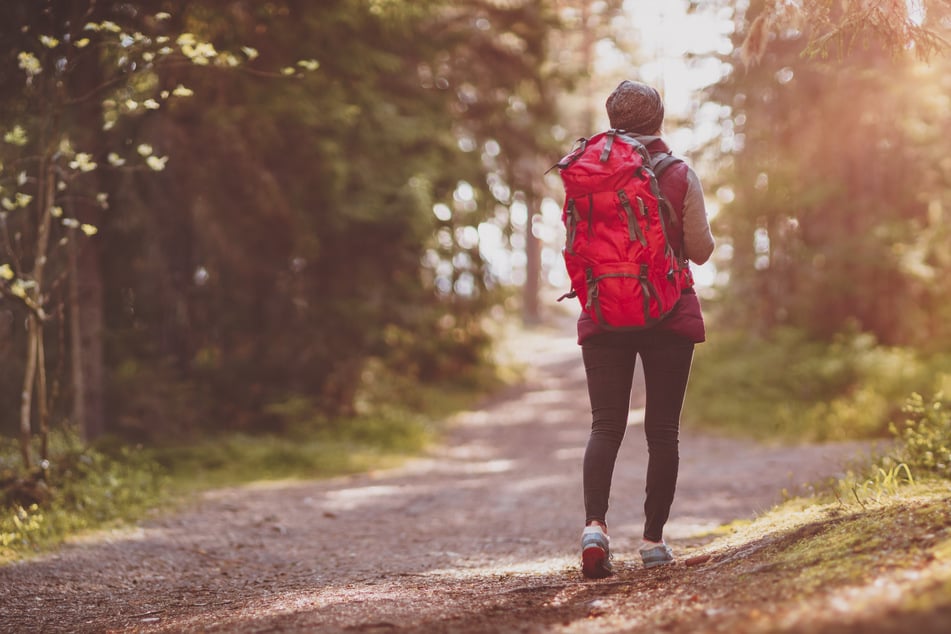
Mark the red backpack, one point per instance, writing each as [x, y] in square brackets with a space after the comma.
[622, 266]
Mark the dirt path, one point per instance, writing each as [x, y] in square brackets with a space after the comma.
[479, 536]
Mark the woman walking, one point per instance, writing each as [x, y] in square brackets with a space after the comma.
[665, 350]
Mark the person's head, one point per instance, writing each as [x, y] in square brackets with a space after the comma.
[635, 107]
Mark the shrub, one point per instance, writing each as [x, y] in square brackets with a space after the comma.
[925, 436]
[790, 387]
[78, 488]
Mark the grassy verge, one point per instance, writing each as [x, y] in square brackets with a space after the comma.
[80, 489]
[827, 565]
[315, 448]
[109, 484]
[870, 552]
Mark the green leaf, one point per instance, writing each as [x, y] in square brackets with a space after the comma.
[16, 136]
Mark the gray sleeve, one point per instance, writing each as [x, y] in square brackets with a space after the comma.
[698, 239]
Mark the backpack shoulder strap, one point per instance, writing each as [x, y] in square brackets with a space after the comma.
[661, 161]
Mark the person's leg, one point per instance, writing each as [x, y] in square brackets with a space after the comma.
[666, 370]
[610, 371]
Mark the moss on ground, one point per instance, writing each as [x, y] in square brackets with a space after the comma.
[821, 566]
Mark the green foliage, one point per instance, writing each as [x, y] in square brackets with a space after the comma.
[925, 436]
[288, 244]
[872, 484]
[394, 420]
[103, 486]
[350, 447]
[394, 416]
[21, 527]
[80, 489]
[89, 488]
[921, 452]
[790, 387]
[306, 211]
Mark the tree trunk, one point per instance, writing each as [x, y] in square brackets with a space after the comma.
[75, 335]
[86, 299]
[589, 39]
[48, 191]
[34, 348]
[524, 178]
[89, 389]
[533, 261]
[26, 396]
[42, 408]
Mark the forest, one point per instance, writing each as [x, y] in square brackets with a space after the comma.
[229, 219]
[229, 207]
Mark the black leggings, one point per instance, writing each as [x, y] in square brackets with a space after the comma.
[609, 360]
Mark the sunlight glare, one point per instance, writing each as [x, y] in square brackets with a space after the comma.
[916, 11]
[494, 570]
[519, 214]
[442, 212]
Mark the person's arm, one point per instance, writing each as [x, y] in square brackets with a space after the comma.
[698, 239]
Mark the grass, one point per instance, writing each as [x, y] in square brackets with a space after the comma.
[826, 564]
[83, 489]
[789, 388]
[109, 484]
[870, 552]
[351, 446]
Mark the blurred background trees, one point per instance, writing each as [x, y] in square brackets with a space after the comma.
[831, 184]
[303, 227]
[268, 213]
[836, 180]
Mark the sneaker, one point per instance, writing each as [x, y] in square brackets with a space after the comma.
[656, 554]
[595, 552]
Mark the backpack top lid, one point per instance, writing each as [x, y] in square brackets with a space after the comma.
[602, 163]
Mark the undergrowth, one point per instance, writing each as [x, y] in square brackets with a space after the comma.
[336, 447]
[790, 388]
[77, 489]
[921, 453]
[84, 488]
[877, 539]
